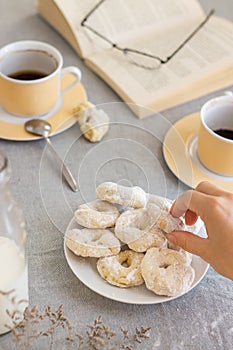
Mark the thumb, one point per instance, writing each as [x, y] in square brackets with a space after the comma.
[189, 242]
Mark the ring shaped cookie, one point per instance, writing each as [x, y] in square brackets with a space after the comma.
[92, 242]
[135, 228]
[128, 196]
[159, 209]
[96, 214]
[166, 272]
[186, 255]
[153, 238]
[114, 271]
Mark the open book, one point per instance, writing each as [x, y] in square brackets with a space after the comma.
[203, 65]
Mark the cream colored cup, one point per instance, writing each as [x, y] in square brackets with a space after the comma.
[214, 151]
[32, 97]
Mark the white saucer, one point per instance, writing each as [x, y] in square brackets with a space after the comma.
[180, 154]
[12, 127]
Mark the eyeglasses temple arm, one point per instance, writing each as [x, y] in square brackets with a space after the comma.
[91, 11]
[191, 35]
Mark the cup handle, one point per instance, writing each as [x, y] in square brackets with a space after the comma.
[76, 72]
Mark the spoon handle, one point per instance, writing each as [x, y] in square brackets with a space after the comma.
[65, 171]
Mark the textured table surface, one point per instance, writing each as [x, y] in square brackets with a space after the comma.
[132, 154]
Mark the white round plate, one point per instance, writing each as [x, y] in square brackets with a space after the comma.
[86, 271]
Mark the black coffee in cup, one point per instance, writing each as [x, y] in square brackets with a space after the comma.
[28, 75]
[226, 133]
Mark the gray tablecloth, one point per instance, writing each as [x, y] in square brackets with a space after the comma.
[132, 153]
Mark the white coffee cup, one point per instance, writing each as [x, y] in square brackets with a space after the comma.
[215, 145]
[25, 94]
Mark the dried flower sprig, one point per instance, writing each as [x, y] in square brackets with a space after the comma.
[96, 336]
[99, 334]
[14, 308]
[139, 335]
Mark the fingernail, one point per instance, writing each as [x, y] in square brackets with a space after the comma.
[171, 238]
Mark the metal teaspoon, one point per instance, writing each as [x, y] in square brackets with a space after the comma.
[42, 128]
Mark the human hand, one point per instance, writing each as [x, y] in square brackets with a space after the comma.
[215, 207]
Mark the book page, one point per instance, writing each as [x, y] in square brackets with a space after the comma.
[209, 52]
[120, 20]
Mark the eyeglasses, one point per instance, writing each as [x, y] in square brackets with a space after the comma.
[140, 58]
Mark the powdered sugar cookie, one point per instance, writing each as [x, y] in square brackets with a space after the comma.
[153, 238]
[159, 209]
[136, 228]
[162, 202]
[96, 214]
[112, 269]
[92, 242]
[94, 123]
[166, 272]
[187, 256]
[127, 196]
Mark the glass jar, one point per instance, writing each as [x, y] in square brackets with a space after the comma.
[13, 260]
